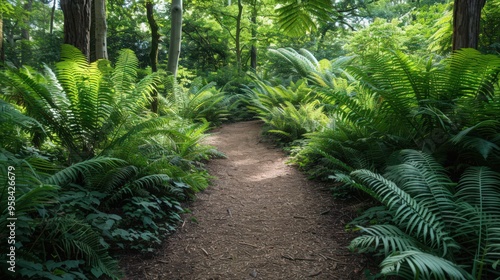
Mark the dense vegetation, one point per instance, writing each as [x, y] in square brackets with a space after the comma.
[366, 95]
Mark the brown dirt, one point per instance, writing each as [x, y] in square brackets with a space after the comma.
[261, 219]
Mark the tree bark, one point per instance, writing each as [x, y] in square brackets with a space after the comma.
[25, 31]
[253, 50]
[238, 36]
[101, 46]
[77, 15]
[153, 55]
[466, 22]
[52, 14]
[174, 49]
[2, 53]
[25, 49]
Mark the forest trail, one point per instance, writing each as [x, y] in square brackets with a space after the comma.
[260, 219]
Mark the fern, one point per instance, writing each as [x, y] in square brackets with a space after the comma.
[448, 230]
[387, 237]
[72, 173]
[420, 265]
[292, 123]
[86, 106]
[305, 65]
[77, 240]
[410, 214]
[297, 17]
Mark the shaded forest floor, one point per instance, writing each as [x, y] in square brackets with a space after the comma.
[260, 219]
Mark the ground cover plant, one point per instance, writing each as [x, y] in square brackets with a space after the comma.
[95, 171]
[437, 118]
[438, 228]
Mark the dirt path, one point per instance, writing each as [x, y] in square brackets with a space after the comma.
[261, 219]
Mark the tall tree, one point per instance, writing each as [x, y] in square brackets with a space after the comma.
[2, 53]
[466, 23]
[25, 31]
[77, 15]
[153, 55]
[100, 30]
[174, 49]
[253, 50]
[52, 16]
[238, 36]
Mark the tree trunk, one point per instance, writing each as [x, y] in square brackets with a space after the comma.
[77, 24]
[25, 46]
[253, 51]
[174, 49]
[2, 53]
[466, 19]
[25, 31]
[52, 14]
[153, 55]
[238, 36]
[101, 47]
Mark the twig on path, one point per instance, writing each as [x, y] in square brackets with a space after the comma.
[248, 244]
[326, 257]
[287, 257]
[204, 251]
[300, 217]
[315, 274]
[297, 259]
[325, 212]
[329, 258]
[229, 212]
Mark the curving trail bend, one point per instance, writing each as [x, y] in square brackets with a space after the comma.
[260, 219]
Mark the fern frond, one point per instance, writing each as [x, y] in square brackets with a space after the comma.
[72, 173]
[413, 264]
[388, 238]
[125, 72]
[480, 187]
[73, 239]
[297, 17]
[415, 217]
[472, 74]
[479, 137]
[425, 180]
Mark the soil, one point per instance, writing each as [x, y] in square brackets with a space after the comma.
[260, 219]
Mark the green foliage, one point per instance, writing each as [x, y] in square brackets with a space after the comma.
[377, 38]
[16, 127]
[71, 218]
[389, 102]
[177, 153]
[489, 37]
[289, 112]
[400, 103]
[289, 122]
[304, 65]
[87, 106]
[27, 38]
[201, 103]
[439, 229]
[296, 17]
[58, 239]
